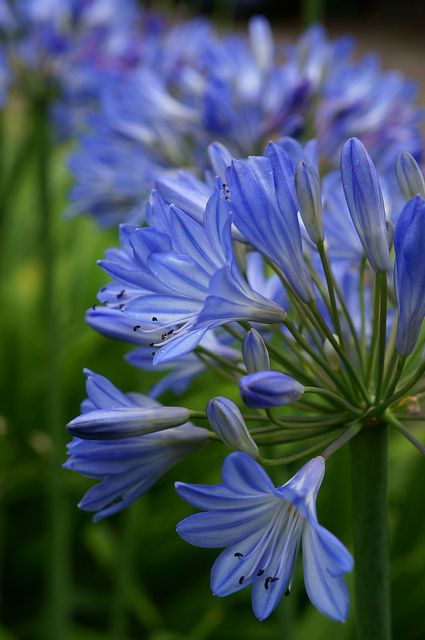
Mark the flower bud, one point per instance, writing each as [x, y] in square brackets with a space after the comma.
[409, 176]
[126, 422]
[255, 354]
[307, 186]
[269, 389]
[227, 422]
[409, 274]
[365, 203]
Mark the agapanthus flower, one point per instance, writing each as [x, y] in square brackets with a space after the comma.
[183, 279]
[262, 528]
[126, 467]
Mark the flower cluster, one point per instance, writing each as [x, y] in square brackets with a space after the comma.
[240, 91]
[68, 49]
[307, 291]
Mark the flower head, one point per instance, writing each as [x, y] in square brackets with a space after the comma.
[262, 528]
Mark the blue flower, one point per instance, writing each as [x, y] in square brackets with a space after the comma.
[264, 209]
[262, 528]
[126, 468]
[409, 273]
[365, 202]
[269, 389]
[179, 279]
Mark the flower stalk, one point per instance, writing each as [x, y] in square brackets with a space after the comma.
[369, 469]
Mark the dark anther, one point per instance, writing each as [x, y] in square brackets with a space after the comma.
[121, 306]
[170, 332]
[120, 294]
[94, 307]
[268, 581]
[238, 555]
[241, 579]
[136, 326]
[163, 336]
[151, 344]
[154, 319]
[153, 353]
[103, 289]
[260, 573]
[288, 592]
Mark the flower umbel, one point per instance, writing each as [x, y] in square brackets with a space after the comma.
[262, 528]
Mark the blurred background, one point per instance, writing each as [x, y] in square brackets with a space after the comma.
[131, 577]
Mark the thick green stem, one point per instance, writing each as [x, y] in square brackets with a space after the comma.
[58, 601]
[369, 468]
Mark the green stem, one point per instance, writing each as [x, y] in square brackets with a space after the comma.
[331, 290]
[414, 379]
[373, 342]
[369, 468]
[401, 361]
[353, 374]
[336, 399]
[405, 432]
[382, 337]
[58, 552]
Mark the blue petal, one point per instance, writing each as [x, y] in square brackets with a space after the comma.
[328, 594]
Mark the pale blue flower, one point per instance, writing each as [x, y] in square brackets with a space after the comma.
[262, 528]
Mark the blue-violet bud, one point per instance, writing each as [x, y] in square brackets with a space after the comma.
[255, 354]
[409, 176]
[365, 203]
[307, 186]
[269, 389]
[409, 273]
[227, 422]
[126, 422]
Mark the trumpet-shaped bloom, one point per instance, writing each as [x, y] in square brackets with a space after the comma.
[262, 528]
[409, 273]
[126, 468]
[264, 209]
[178, 279]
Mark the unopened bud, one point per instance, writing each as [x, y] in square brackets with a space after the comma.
[307, 186]
[255, 354]
[269, 389]
[227, 422]
[409, 176]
